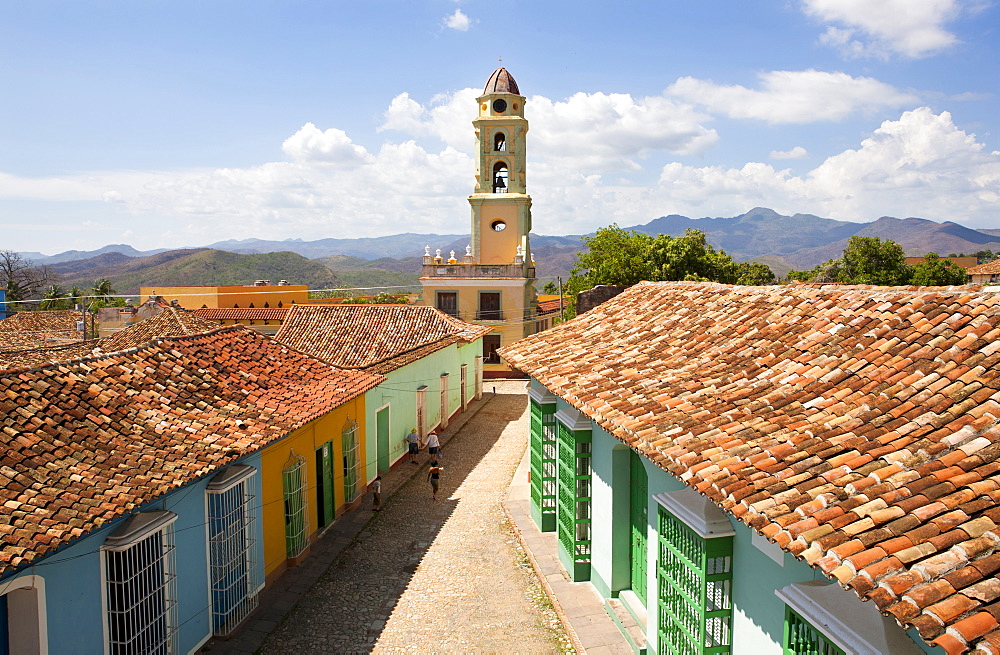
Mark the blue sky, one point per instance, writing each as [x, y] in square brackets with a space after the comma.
[168, 123]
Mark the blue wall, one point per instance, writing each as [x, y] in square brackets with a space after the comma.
[73, 594]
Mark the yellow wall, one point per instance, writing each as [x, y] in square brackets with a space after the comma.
[498, 247]
[229, 296]
[305, 442]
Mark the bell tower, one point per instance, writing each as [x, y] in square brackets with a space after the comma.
[493, 282]
[501, 207]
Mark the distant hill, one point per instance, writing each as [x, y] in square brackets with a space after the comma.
[78, 255]
[783, 242]
[396, 246]
[917, 236]
[758, 232]
[195, 268]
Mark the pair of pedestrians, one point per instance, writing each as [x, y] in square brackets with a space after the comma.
[414, 445]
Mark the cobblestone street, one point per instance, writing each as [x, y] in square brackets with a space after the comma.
[445, 576]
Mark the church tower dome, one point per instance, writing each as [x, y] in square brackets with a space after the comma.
[501, 81]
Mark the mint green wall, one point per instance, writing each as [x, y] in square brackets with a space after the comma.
[758, 614]
[399, 391]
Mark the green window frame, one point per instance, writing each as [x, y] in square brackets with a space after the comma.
[349, 445]
[694, 580]
[573, 512]
[544, 462]
[802, 638]
[293, 485]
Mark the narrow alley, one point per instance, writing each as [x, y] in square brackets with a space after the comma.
[446, 575]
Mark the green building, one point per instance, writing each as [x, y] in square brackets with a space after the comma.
[741, 469]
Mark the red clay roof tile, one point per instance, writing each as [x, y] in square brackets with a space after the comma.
[898, 403]
[376, 338]
[108, 433]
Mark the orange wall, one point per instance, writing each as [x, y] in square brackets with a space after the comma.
[229, 296]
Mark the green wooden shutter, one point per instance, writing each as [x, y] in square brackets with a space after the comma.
[638, 513]
[543, 459]
[574, 494]
[694, 581]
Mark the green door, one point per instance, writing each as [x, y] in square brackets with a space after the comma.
[382, 438]
[638, 506]
[324, 484]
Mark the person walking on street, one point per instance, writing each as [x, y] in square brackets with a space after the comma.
[434, 477]
[377, 494]
[433, 445]
[412, 445]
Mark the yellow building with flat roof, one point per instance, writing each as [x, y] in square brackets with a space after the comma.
[255, 295]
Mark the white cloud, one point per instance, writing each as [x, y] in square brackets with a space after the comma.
[807, 96]
[332, 146]
[798, 152]
[867, 28]
[598, 131]
[458, 21]
[920, 164]
[447, 117]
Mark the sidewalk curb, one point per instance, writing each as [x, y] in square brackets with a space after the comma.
[567, 626]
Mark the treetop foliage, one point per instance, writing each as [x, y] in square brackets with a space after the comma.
[870, 260]
[621, 257]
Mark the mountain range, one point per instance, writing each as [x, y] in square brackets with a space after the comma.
[782, 242]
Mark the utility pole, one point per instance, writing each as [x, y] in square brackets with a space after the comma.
[560, 298]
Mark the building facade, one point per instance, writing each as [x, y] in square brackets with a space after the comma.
[492, 282]
[260, 295]
[432, 363]
[739, 469]
[147, 493]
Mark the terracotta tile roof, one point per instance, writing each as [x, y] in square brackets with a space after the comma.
[378, 338]
[548, 306]
[855, 427]
[988, 268]
[35, 329]
[82, 443]
[240, 314]
[171, 322]
[35, 357]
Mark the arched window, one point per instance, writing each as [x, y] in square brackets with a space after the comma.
[500, 177]
[500, 142]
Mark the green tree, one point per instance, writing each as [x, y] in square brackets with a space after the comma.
[550, 288]
[103, 290]
[870, 260]
[55, 298]
[622, 258]
[937, 272]
[753, 274]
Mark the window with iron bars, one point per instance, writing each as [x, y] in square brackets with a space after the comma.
[349, 445]
[232, 542]
[140, 585]
[694, 577]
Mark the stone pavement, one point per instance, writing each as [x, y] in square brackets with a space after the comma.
[578, 604]
[445, 576]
